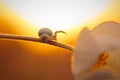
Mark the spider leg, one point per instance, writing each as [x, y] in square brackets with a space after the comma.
[46, 38]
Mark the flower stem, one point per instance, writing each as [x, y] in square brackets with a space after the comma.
[35, 39]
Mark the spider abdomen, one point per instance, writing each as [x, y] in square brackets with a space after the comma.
[45, 31]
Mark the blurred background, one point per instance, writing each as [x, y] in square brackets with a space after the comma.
[24, 60]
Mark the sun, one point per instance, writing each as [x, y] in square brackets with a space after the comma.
[60, 14]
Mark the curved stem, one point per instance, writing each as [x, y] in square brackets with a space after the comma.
[27, 38]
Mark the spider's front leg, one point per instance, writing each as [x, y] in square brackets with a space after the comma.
[46, 38]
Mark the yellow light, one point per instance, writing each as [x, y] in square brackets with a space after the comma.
[58, 15]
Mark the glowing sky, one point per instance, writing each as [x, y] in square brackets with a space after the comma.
[58, 14]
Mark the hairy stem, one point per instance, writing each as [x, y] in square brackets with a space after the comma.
[27, 38]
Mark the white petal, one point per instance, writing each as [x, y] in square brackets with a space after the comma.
[108, 35]
[85, 54]
[100, 75]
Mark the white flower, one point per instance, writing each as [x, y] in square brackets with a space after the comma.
[89, 47]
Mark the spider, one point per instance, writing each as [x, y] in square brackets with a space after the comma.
[47, 35]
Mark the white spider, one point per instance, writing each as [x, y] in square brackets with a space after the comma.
[47, 35]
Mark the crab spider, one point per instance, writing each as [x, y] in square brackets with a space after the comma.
[47, 35]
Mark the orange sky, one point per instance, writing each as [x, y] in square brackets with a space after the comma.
[24, 27]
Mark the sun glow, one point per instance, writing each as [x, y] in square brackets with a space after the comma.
[58, 15]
